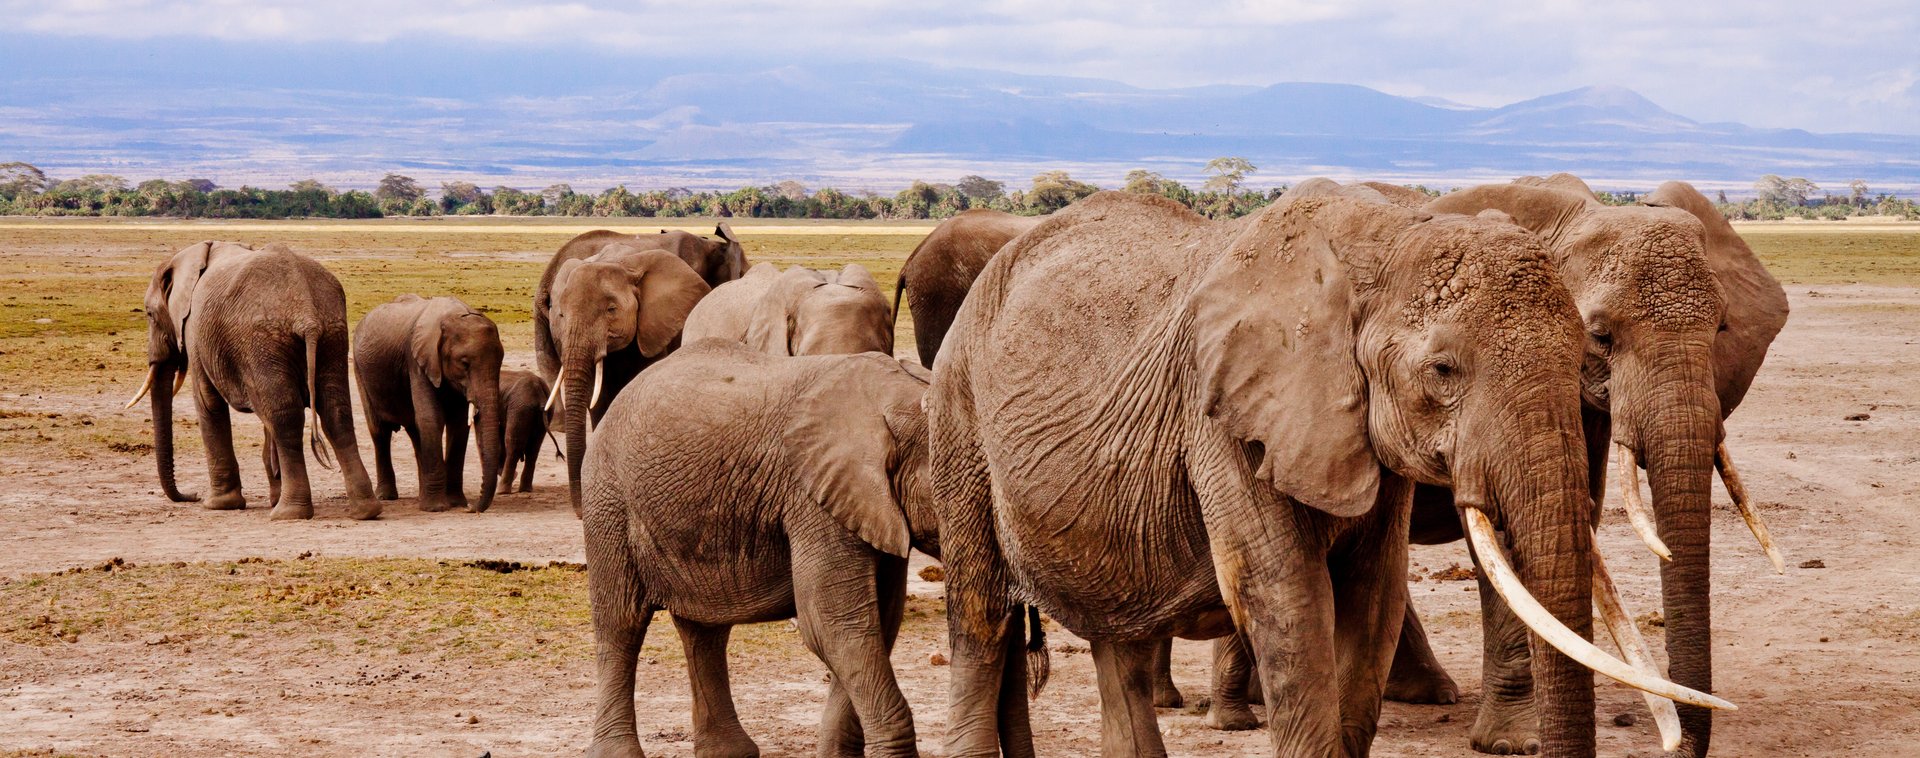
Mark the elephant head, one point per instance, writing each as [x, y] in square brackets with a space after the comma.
[1677, 315]
[806, 312]
[169, 302]
[1343, 335]
[624, 298]
[460, 347]
[859, 440]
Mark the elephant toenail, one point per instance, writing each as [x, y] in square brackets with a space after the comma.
[1531, 748]
[1502, 747]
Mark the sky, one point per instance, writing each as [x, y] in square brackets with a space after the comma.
[1843, 67]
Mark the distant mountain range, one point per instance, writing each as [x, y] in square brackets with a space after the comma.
[880, 125]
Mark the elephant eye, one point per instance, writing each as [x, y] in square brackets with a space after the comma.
[1442, 367]
[1602, 338]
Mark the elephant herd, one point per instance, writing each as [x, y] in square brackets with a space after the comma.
[1144, 423]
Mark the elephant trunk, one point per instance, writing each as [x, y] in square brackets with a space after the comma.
[485, 396]
[1678, 433]
[1536, 479]
[165, 375]
[580, 370]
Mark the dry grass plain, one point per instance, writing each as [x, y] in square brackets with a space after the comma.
[133, 626]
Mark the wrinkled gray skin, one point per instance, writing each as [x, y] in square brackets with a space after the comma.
[1143, 419]
[257, 331]
[616, 311]
[421, 364]
[799, 312]
[523, 396]
[942, 268]
[715, 261]
[1679, 315]
[797, 487]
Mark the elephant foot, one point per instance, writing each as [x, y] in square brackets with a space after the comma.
[457, 501]
[1425, 686]
[1506, 729]
[479, 506]
[432, 504]
[1166, 695]
[737, 745]
[291, 512]
[387, 492]
[226, 501]
[1235, 717]
[364, 509]
[617, 747]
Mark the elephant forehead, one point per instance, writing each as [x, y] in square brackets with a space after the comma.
[1657, 258]
[1497, 283]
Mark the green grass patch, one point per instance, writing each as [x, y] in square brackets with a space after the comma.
[1798, 255]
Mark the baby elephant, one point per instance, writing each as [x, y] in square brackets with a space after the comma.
[522, 397]
[795, 488]
[420, 363]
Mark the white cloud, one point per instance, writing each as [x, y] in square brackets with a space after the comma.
[1764, 62]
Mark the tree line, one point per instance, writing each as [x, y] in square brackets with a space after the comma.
[26, 190]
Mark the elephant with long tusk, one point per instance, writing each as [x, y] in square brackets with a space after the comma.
[1149, 424]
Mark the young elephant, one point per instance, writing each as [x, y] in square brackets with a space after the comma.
[267, 335]
[522, 396]
[800, 312]
[796, 487]
[421, 363]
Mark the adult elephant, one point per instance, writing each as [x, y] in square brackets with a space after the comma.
[421, 364]
[1678, 314]
[799, 312]
[1148, 422]
[796, 488]
[942, 267]
[258, 331]
[613, 314]
[715, 261]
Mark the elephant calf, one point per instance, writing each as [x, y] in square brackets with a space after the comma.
[735, 487]
[522, 397]
[421, 362]
[798, 312]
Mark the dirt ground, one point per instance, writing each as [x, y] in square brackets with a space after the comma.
[1822, 661]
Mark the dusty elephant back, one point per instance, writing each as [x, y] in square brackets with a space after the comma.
[727, 311]
[270, 301]
[941, 269]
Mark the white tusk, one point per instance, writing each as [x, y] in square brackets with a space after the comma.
[144, 387]
[558, 380]
[179, 379]
[1638, 514]
[1505, 582]
[1738, 491]
[1626, 636]
[599, 375]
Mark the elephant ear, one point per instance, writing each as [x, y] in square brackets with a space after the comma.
[1274, 333]
[840, 445]
[736, 255]
[855, 275]
[1756, 305]
[425, 343]
[668, 289]
[1545, 211]
[770, 330]
[1562, 181]
[186, 268]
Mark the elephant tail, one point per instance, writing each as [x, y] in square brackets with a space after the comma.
[899, 286]
[1039, 664]
[320, 454]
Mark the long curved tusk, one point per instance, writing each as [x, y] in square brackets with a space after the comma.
[558, 382]
[145, 387]
[1638, 514]
[599, 375]
[179, 380]
[1626, 636]
[1507, 583]
[1738, 491]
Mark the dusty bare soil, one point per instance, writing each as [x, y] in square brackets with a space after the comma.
[1822, 661]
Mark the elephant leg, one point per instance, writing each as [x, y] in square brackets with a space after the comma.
[1507, 723]
[844, 609]
[1370, 579]
[430, 456]
[1165, 694]
[986, 699]
[1124, 672]
[287, 426]
[270, 460]
[716, 726]
[456, 460]
[532, 453]
[216, 433]
[1417, 676]
[382, 437]
[1233, 677]
[620, 620]
[334, 407]
[509, 466]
